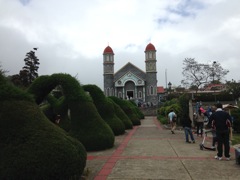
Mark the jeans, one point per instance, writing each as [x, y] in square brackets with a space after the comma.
[187, 131]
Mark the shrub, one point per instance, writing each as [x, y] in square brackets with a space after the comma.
[31, 146]
[128, 109]
[236, 119]
[137, 110]
[60, 106]
[167, 106]
[163, 119]
[105, 108]
[122, 115]
[86, 123]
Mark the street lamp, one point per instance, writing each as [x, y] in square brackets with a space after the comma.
[169, 87]
[231, 93]
[213, 70]
[213, 74]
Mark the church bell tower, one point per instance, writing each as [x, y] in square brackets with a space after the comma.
[108, 71]
[151, 73]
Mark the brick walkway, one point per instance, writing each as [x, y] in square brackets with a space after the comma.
[152, 152]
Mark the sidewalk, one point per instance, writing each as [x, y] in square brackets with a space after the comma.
[150, 151]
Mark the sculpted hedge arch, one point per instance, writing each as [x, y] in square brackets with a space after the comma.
[31, 146]
[86, 123]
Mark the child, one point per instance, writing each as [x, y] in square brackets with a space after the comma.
[187, 125]
[57, 119]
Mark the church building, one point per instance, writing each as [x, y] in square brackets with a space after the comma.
[130, 82]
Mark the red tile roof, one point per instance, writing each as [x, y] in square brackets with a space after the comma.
[108, 50]
[150, 47]
[160, 89]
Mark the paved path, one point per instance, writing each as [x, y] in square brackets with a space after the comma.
[152, 152]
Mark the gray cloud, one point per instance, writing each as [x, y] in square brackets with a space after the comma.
[71, 35]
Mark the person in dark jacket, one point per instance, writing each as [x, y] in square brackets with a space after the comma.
[221, 122]
[187, 125]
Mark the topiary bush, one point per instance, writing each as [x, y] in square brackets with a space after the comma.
[58, 106]
[137, 110]
[128, 109]
[86, 123]
[235, 113]
[105, 108]
[31, 146]
[122, 115]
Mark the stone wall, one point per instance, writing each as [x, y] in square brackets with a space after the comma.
[149, 111]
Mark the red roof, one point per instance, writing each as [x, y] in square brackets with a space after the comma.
[160, 89]
[150, 47]
[210, 86]
[108, 50]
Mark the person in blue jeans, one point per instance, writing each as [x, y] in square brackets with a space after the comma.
[187, 125]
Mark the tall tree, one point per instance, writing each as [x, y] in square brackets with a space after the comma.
[217, 73]
[29, 72]
[198, 74]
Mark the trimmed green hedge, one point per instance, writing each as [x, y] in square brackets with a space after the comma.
[31, 146]
[235, 113]
[86, 123]
[58, 106]
[105, 108]
[127, 107]
[137, 110]
[122, 115]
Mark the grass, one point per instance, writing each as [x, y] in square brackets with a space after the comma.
[236, 138]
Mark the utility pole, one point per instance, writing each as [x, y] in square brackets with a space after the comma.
[213, 74]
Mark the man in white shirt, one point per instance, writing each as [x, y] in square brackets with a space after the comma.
[172, 117]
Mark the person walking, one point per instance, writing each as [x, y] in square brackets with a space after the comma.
[187, 125]
[200, 122]
[221, 122]
[172, 118]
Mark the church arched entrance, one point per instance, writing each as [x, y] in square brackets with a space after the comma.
[130, 89]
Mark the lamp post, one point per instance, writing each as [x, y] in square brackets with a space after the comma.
[213, 74]
[169, 87]
[231, 93]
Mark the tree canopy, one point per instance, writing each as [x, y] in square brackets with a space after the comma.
[29, 72]
[233, 88]
[199, 74]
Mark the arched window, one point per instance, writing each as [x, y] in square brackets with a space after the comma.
[151, 90]
[107, 58]
[140, 94]
[150, 55]
[119, 94]
[108, 92]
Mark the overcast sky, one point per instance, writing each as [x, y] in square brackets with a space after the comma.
[72, 34]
